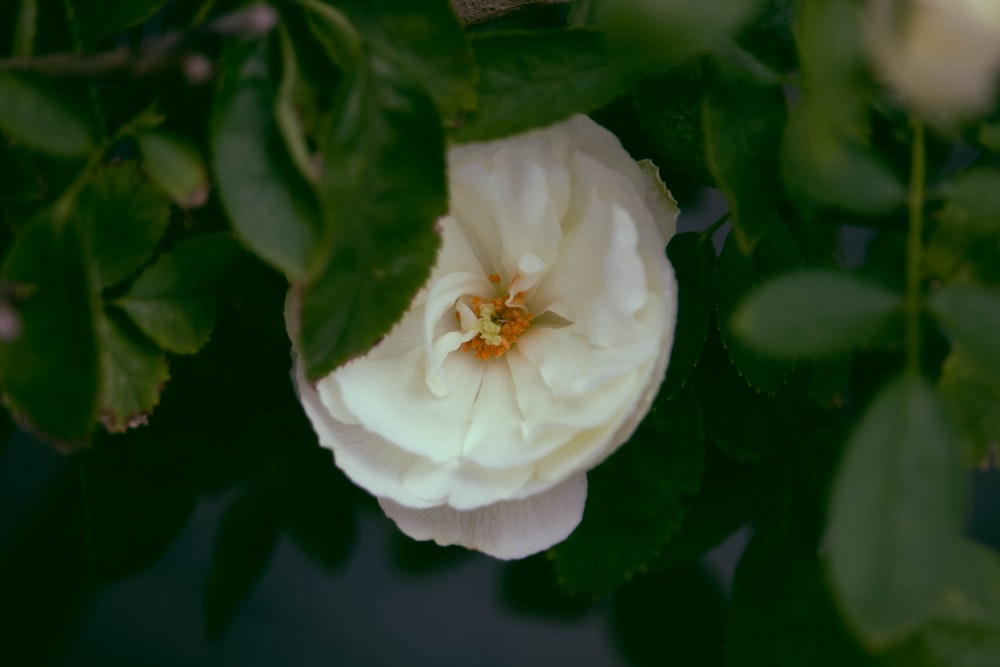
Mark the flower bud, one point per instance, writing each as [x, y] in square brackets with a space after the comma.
[942, 57]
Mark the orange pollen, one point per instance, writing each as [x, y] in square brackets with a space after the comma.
[509, 322]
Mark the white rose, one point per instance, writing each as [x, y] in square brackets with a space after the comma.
[531, 354]
[941, 56]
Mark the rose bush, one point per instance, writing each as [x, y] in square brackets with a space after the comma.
[941, 56]
[530, 355]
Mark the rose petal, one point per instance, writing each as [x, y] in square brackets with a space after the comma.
[506, 530]
[390, 398]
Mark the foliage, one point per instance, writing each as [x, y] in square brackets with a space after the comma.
[163, 203]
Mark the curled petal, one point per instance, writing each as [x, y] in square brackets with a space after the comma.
[506, 530]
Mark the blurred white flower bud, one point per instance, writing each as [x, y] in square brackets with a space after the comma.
[942, 57]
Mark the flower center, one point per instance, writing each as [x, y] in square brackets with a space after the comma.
[500, 322]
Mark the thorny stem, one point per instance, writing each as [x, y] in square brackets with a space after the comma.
[912, 304]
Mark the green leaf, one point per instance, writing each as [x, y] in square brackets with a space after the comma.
[973, 397]
[738, 274]
[174, 164]
[247, 537]
[106, 18]
[123, 218]
[36, 113]
[744, 430]
[385, 131]
[721, 507]
[50, 370]
[621, 532]
[895, 513]
[133, 373]
[693, 259]
[669, 106]
[425, 38]
[176, 300]
[530, 587]
[970, 315]
[268, 201]
[534, 78]
[139, 492]
[743, 123]
[813, 313]
[972, 201]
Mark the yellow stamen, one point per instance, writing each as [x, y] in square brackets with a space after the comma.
[499, 324]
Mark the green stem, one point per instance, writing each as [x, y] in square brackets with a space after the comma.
[913, 304]
[714, 227]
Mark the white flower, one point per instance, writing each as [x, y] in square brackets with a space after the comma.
[530, 355]
[941, 56]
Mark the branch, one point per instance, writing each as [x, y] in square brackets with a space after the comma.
[474, 12]
[156, 54]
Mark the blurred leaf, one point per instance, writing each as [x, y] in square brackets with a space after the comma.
[289, 111]
[972, 596]
[895, 513]
[139, 492]
[743, 124]
[738, 275]
[175, 300]
[972, 201]
[823, 163]
[37, 114]
[106, 18]
[268, 201]
[174, 164]
[815, 312]
[133, 373]
[966, 630]
[621, 532]
[958, 253]
[50, 371]
[669, 104]
[671, 29]
[25, 28]
[970, 315]
[973, 397]
[123, 218]
[832, 57]
[425, 38]
[677, 616]
[385, 131]
[245, 543]
[768, 34]
[693, 259]
[534, 78]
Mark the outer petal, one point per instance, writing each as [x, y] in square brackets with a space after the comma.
[508, 529]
